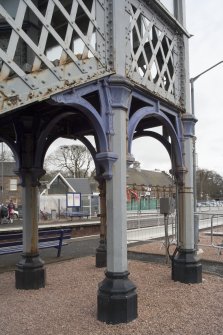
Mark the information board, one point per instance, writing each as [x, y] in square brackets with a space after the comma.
[73, 199]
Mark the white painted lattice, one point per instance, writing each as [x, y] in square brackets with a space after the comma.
[154, 60]
[48, 46]
[61, 39]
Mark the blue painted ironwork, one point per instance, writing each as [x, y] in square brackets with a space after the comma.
[148, 112]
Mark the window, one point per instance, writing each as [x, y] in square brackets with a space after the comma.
[13, 185]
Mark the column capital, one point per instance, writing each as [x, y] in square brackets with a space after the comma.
[120, 92]
[34, 174]
[189, 121]
[106, 160]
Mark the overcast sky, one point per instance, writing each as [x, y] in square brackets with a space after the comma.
[204, 19]
[204, 22]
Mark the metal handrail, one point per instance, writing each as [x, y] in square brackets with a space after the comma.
[213, 216]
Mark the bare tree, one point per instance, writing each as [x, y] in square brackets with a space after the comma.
[6, 155]
[209, 185]
[72, 160]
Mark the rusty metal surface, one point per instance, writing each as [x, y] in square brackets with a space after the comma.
[49, 46]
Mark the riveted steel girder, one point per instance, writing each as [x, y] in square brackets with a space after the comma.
[49, 46]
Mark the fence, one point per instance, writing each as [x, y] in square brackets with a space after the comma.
[142, 204]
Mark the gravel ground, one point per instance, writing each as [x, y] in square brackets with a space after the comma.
[68, 303]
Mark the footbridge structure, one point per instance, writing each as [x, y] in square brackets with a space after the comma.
[114, 70]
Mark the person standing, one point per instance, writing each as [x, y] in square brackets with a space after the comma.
[11, 208]
[3, 213]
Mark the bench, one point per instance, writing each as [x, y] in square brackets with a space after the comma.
[11, 243]
[77, 214]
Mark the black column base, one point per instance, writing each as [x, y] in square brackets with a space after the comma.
[117, 299]
[30, 272]
[187, 267]
[101, 255]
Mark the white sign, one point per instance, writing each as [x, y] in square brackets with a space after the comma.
[73, 199]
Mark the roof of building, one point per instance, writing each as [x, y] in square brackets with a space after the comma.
[58, 175]
[81, 185]
[148, 178]
[135, 176]
[78, 185]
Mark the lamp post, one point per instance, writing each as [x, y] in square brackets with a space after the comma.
[192, 80]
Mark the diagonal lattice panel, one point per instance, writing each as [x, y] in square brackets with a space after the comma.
[150, 41]
[65, 38]
[47, 29]
[153, 59]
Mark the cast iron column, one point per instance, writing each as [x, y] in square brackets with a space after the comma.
[101, 253]
[186, 266]
[30, 272]
[117, 298]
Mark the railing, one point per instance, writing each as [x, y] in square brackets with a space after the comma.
[211, 223]
[51, 45]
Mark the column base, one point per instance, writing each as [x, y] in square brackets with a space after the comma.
[30, 272]
[187, 267]
[101, 255]
[117, 299]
